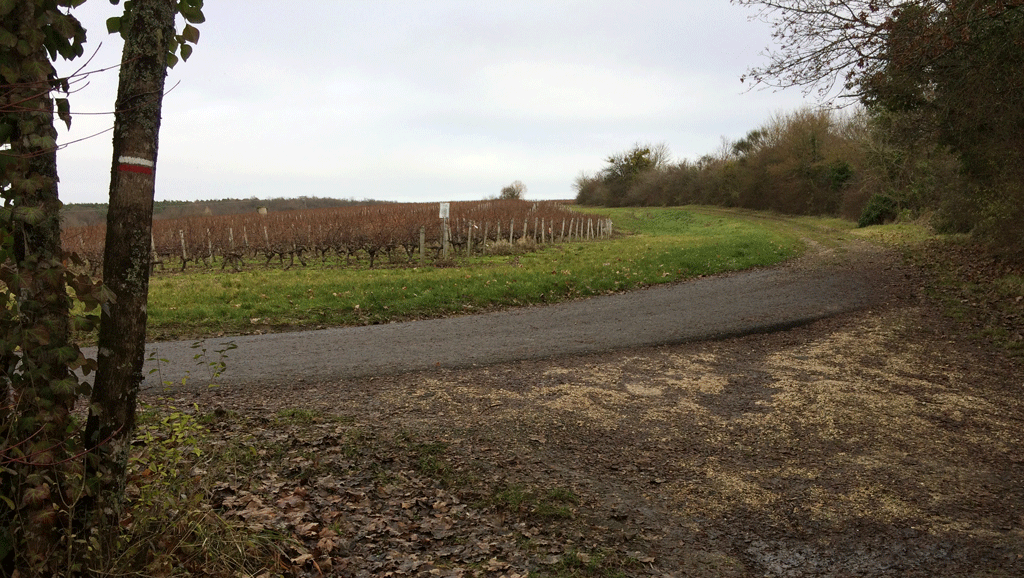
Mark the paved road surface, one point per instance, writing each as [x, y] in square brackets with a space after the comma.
[729, 305]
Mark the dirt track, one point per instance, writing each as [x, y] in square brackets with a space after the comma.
[818, 286]
[874, 441]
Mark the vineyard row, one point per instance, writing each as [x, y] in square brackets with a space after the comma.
[351, 232]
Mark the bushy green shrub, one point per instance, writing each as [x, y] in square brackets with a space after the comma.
[880, 208]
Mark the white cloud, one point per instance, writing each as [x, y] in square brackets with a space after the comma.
[447, 99]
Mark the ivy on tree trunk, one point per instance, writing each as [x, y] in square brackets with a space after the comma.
[37, 387]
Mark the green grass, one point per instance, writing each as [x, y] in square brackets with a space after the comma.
[551, 504]
[583, 564]
[658, 246]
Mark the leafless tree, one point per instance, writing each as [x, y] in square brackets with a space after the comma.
[516, 190]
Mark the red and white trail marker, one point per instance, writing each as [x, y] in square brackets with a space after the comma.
[135, 165]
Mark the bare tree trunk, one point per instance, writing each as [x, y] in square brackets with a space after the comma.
[122, 336]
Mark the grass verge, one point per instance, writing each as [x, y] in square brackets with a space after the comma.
[653, 246]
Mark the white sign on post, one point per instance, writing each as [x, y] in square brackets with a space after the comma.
[444, 211]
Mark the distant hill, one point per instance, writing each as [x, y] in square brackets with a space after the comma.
[85, 214]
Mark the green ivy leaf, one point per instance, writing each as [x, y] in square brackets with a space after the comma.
[65, 355]
[42, 142]
[65, 387]
[84, 388]
[39, 334]
[105, 295]
[5, 159]
[64, 25]
[190, 34]
[7, 39]
[86, 323]
[64, 111]
[186, 51]
[9, 72]
[29, 215]
[113, 25]
[172, 59]
[6, 6]
[192, 14]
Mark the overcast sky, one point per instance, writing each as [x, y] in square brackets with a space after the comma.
[432, 100]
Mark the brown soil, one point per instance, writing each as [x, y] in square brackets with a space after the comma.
[877, 443]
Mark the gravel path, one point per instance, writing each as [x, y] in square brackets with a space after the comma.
[814, 287]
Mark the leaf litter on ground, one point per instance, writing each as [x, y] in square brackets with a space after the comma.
[356, 502]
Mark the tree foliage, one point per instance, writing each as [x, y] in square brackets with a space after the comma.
[955, 66]
[829, 45]
[613, 184]
[515, 190]
[812, 161]
[970, 87]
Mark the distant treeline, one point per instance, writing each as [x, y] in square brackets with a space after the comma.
[88, 214]
[869, 166]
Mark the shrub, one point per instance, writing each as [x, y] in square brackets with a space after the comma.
[880, 208]
[501, 248]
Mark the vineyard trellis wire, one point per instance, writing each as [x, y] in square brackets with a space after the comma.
[399, 232]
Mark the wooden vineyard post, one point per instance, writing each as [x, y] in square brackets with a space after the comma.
[444, 241]
[443, 215]
[469, 239]
[511, 230]
[184, 254]
[561, 237]
[423, 243]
